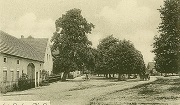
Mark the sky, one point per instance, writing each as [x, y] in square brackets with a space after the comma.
[134, 20]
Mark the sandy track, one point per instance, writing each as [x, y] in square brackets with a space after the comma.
[76, 92]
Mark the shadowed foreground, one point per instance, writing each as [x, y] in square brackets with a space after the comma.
[73, 92]
[163, 91]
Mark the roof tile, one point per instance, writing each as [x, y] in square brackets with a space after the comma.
[21, 48]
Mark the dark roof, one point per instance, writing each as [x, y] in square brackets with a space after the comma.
[151, 65]
[13, 46]
[39, 44]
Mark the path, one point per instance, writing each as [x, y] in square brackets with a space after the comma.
[72, 93]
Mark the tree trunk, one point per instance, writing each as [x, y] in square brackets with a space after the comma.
[64, 76]
[109, 75]
[106, 75]
[128, 76]
[119, 77]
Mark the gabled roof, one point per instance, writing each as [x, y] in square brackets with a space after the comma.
[13, 46]
[39, 44]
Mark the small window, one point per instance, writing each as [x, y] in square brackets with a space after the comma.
[17, 75]
[18, 61]
[4, 76]
[12, 75]
[5, 59]
[49, 56]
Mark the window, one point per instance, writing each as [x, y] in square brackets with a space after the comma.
[5, 59]
[18, 61]
[49, 56]
[17, 75]
[12, 75]
[4, 76]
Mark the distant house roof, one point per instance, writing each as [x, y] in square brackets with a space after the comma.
[22, 48]
[151, 65]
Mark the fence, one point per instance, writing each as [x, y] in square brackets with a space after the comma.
[9, 86]
[54, 78]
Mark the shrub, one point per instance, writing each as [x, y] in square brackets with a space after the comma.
[15, 87]
[23, 82]
[45, 75]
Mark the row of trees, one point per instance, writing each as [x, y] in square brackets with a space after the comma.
[75, 52]
[113, 55]
[118, 57]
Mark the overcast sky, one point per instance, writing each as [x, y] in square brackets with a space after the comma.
[134, 20]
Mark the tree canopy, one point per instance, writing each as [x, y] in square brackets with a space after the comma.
[119, 56]
[103, 50]
[125, 59]
[167, 44]
[72, 42]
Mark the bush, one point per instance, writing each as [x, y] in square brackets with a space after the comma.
[70, 76]
[23, 82]
[15, 87]
[45, 75]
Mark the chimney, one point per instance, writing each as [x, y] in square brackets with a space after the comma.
[22, 36]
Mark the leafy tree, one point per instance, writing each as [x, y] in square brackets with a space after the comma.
[71, 40]
[125, 59]
[167, 44]
[103, 50]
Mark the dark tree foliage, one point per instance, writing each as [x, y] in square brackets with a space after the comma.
[167, 44]
[72, 42]
[125, 59]
[103, 54]
[116, 56]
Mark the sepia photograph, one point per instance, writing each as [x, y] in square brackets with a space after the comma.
[89, 52]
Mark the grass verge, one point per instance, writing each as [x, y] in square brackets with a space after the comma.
[163, 91]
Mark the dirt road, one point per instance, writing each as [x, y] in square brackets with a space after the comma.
[75, 92]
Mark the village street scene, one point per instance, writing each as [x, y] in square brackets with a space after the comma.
[96, 52]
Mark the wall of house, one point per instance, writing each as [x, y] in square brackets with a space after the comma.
[48, 62]
[13, 68]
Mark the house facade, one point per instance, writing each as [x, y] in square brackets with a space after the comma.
[42, 45]
[25, 55]
[151, 68]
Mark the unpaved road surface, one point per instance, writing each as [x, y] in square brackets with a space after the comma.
[74, 92]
